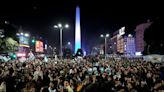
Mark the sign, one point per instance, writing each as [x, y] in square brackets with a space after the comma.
[23, 40]
[21, 54]
[39, 46]
[122, 31]
[138, 54]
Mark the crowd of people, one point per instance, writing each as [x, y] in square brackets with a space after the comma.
[89, 74]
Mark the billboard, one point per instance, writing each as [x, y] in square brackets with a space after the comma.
[23, 40]
[39, 46]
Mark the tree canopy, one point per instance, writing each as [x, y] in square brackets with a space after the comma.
[8, 45]
[153, 37]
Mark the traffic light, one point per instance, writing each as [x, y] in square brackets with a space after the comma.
[14, 56]
[33, 40]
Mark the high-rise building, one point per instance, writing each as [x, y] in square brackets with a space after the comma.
[118, 41]
[120, 44]
[139, 37]
[129, 45]
[114, 43]
[126, 45]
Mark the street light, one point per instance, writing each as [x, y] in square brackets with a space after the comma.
[6, 22]
[107, 35]
[66, 26]
[101, 35]
[26, 34]
[22, 33]
[60, 27]
[69, 43]
[55, 26]
[17, 34]
[105, 38]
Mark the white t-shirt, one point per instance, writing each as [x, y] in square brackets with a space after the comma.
[49, 89]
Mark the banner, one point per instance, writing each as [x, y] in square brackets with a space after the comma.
[155, 58]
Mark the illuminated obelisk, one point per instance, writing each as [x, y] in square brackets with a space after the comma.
[77, 30]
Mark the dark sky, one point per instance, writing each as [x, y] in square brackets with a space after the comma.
[97, 16]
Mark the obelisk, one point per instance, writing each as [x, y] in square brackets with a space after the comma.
[77, 30]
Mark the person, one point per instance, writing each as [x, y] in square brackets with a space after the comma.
[45, 59]
[109, 76]
[79, 87]
[67, 86]
[44, 89]
[29, 88]
[10, 80]
[52, 87]
[3, 87]
[38, 73]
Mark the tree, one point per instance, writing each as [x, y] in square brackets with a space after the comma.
[1, 41]
[153, 36]
[8, 45]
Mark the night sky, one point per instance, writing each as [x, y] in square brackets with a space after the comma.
[97, 16]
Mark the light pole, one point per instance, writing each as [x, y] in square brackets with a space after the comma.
[105, 37]
[60, 27]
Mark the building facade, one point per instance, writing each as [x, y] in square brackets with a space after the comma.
[129, 45]
[118, 41]
[139, 36]
[114, 44]
[120, 44]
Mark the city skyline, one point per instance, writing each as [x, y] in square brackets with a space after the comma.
[37, 16]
